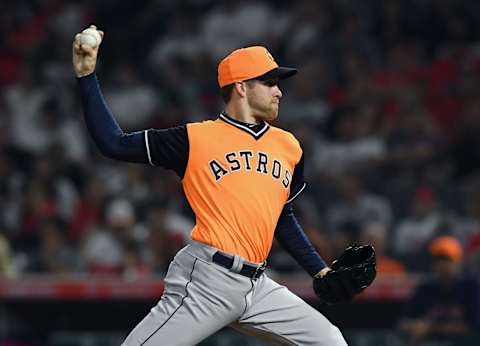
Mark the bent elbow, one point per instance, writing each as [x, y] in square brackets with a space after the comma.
[109, 150]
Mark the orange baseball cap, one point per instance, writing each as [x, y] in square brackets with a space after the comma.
[446, 246]
[249, 63]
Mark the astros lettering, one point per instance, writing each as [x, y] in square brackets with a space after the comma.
[256, 162]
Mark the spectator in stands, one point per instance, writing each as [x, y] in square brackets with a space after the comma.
[356, 204]
[24, 101]
[133, 266]
[219, 27]
[11, 181]
[472, 254]
[346, 233]
[465, 220]
[466, 148]
[48, 173]
[163, 242]
[414, 145]
[413, 233]
[348, 148]
[376, 234]
[6, 269]
[136, 185]
[180, 41]
[306, 103]
[104, 248]
[63, 131]
[54, 255]
[88, 209]
[446, 305]
[131, 98]
[37, 206]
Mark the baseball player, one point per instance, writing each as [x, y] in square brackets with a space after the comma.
[240, 175]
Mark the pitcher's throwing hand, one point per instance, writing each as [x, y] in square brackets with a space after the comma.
[85, 55]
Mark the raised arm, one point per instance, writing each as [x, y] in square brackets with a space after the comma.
[105, 131]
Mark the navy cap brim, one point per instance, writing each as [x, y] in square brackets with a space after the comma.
[279, 72]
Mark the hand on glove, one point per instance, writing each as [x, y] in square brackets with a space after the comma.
[350, 274]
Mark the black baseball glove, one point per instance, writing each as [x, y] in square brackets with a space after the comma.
[351, 273]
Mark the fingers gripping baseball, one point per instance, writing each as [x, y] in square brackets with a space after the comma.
[85, 50]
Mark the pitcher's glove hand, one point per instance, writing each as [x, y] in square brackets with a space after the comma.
[351, 273]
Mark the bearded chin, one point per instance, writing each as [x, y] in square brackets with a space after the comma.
[266, 112]
[272, 113]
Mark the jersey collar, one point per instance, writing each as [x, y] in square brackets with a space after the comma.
[256, 130]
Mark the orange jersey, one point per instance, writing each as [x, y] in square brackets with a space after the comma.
[237, 182]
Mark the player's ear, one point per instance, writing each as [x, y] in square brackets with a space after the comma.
[240, 88]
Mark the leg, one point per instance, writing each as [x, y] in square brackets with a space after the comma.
[276, 314]
[196, 303]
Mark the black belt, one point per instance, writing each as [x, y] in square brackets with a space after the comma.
[247, 270]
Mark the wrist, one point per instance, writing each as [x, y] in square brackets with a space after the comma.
[322, 272]
[83, 74]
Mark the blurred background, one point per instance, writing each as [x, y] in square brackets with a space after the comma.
[386, 106]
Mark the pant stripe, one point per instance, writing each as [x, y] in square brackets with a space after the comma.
[181, 303]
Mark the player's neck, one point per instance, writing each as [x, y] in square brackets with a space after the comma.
[240, 113]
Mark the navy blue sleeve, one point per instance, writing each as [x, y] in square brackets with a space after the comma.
[292, 238]
[167, 148]
[298, 182]
[107, 135]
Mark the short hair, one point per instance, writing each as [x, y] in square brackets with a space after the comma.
[226, 92]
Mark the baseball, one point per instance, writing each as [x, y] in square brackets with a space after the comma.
[90, 37]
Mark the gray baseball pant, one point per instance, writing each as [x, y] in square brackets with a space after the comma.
[201, 297]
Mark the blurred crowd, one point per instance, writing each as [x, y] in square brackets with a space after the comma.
[386, 106]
